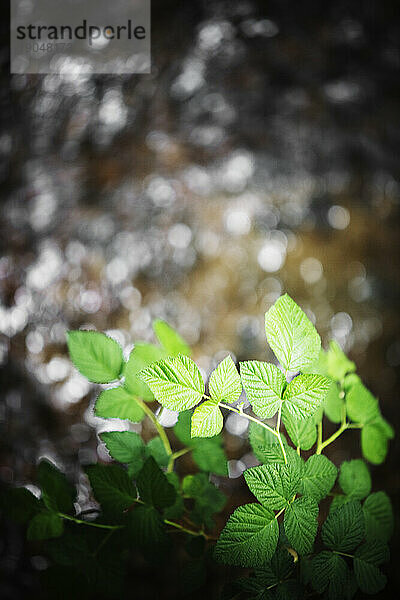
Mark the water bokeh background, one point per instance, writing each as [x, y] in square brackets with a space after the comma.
[259, 157]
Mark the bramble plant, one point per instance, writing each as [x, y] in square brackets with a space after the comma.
[280, 538]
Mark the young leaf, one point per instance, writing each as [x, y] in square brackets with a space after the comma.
[44, 526]
[344, 528]
[207, 420]
[291, 335]
[169, 339]
[225, 384]
[366, 560]
[57, 493]
[361, 405]
[338, 363]
[141, 357]
[112, 487]
[329, 570]
[378, 515]
[318, 477]
[249, 537]
[124, 446]
[97, 356]
[117, 403]
[154, 488]
[333, 404]
[302, 432]
[264, 384]
[300, 523]
[148, 531]
[175, 382]
[374, 443]
[305, 394]
[273, 485]
[354, 479]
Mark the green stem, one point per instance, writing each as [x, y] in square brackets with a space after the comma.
[319, 434]
[248, 417]
[157, 425]
[89, 523]
[343, 554]
[174, 456]
[278, 434]
[332, 438]
[186, 530]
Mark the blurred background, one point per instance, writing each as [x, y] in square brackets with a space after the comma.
[259, 157]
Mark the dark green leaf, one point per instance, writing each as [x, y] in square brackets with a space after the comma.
[45, 525]
[366, 560]
[378, 515]
[154, 488]
[318, 477]
[273, 485]
[112, 487]
[329, 571]
[301, 524]
[57, 493]
[156, 449]
[344, 528]
[124, 446]
[148, 531]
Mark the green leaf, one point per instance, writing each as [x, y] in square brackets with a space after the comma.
[225, 384]
[304, 395]
[277, 569]
[207, 420]
[354, 479]
[267, 449]
[334, 404]
[182, 428]
[291, 335]
[95, 355]
[176, 510]
[44, 526]
[148, 531]
[154, 488]
[302, 432]
[329, 571]
[318, 477]
[57, 493]
[273, 485]
[124, 446]
[249, 537]
[169, 339]
[374, 443]
[361, 405]
[117, 403]
[209, 456]
[19, 504]
[338, 363]
[264, 384]
[386, 427]
[378, 515]
[142, 356]
[301, 525]
[112, 487]
[344, 528]
[175, 382]
[366, 560]
[208, 498]
[156, 449]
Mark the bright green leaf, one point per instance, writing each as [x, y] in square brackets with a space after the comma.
[249, 537]
[291, 335]
[264, 384]
[175, 382]
[355, 479]
[361, 405]
[338, 363]
[153, 486]
[273, 485]
[170, 340]
[142, 356]
[44, 526]
[334, 404]
[300, 523]
[207, 420]
[225, 384]
[117, 403]
[302, 432]
[97, 356]
[318, 477]
[344, 528]
[374, 443]
[305, 394]
[378, 515]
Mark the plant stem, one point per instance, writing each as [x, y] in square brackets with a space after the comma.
[186, 530]
[278, 434]
[319, 434]
[248, 417]
[174, 456]
[157, 425]
[80, 522]
[332, 438]
[343, 554]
